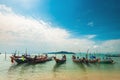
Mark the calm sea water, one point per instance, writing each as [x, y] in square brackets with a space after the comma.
[51, 71]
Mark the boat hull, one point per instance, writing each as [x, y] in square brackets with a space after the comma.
[107, 62]
[60, 61]
[20, 61]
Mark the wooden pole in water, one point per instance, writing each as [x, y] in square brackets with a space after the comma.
[26, 51]
[80, 53]
[15, 51]
[87, 54]
[5, 55]
[18, 53]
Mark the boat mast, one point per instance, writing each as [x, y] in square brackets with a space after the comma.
[87, 54]
[5, 55]
[26, 51]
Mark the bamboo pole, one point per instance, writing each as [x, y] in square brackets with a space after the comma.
[5, 55]
[18, 53]
[87, 54]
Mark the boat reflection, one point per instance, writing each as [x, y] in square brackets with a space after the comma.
[57, 66]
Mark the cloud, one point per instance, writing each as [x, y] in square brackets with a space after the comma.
[91, 24]
[90, 36]
[110, 46]
[27, 4]
[4, 9]
[20, 32]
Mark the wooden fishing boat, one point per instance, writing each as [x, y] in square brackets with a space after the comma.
[107, 62]
[93, 61]
[38, 59]
[18, 60]
[63, 60]
[28, 59]
[41, 60]
[80, 61]
[76, 60]
[84, 60]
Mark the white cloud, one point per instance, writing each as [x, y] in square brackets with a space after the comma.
[90, 36]
[110, 46]
[20, 32]
[91, 24]
[4, 9]
[95, 46]
[28, 4]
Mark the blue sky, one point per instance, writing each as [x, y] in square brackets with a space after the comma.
[98, 20]
[81, 17]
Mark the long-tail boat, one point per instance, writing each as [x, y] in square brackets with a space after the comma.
[63, 60]
[18, 59]
[28, 59]
[38, 59]
[107, 61]
[81, 60]
[84, 60]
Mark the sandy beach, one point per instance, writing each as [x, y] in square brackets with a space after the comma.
[64, 76]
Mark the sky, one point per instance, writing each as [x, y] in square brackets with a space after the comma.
[60, 25]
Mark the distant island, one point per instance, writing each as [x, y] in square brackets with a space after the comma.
[61, 52]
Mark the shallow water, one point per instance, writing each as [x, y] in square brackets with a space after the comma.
[51, 71]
